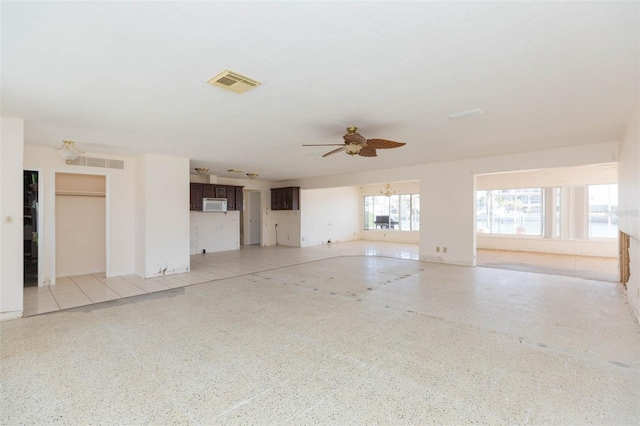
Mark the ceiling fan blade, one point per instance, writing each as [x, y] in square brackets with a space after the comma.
[335, 151]
[326, 144]
[367, 152]
[383, 144]
[354, 138]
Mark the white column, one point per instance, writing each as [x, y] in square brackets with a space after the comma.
[11, 226]
[162, 215]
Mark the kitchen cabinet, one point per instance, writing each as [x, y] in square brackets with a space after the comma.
[239, 198]
[231, 198]
[196, 196]
[287, 198]
[221, 191]
[208, 191]
[232, 193]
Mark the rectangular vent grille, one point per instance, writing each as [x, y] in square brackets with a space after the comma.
[233, 81]
[115, 164]
[97, 162]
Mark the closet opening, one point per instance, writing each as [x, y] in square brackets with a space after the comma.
[80, 224]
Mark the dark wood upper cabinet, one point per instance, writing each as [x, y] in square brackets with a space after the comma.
[231, 198]
[285, 198]
[221, 192]
[196, 196]
[208, 191]
[198, 191]
[239, 198]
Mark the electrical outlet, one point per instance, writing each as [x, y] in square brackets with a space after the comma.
[444, 249]
[437, 249]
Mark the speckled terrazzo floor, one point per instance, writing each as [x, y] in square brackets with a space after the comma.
[348, 340]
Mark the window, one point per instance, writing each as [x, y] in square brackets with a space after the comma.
[603, 211]
[556, 195]
[510, 211]
[522, 211]
[398, 212]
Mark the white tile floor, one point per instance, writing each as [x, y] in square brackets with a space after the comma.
[318, 339]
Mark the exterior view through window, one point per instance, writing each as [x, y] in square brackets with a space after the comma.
[510, 211]
[603, 211]
[523, 211]
[397, 212]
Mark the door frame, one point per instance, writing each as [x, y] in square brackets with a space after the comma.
[52, 215]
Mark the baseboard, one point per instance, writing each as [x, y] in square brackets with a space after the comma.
[6, 316]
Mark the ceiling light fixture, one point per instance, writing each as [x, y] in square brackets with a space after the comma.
[352, 148]
[388, 192]
[68, 150]
[252, 175]
[202, 170]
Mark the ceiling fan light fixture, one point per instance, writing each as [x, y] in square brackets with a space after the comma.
[68, 150]
[352, 149]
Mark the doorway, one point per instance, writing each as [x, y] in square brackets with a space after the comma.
[80, 224]
[254, 217]
[31, 223]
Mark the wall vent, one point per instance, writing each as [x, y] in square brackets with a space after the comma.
[97, 162]
[233, 81]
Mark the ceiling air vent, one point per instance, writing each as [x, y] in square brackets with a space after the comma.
[233, 81]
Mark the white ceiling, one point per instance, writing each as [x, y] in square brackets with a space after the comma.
[130, 77]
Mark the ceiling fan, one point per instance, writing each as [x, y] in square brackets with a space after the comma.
[355, 143]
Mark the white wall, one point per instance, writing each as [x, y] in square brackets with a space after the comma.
[121, 196]
[330, 215]
[214, 232]
[11, 230]
[166, 215]
[447, 199]
[288, 228]
[629, 203]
